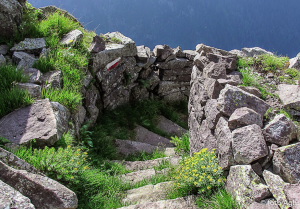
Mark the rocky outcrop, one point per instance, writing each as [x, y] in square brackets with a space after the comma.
[244, 117]
[30, 46]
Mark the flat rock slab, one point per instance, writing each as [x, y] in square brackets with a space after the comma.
[148, 193]
[33, 90]
[243, 117]
[254, 51]
[146, 136]
[30, 45]
[10, 198]
[3, 49]
[178, 203]
[232, 98]
[41, 190]
[246, 186]
[141, 165]
[34, 75]
[127, 147]
[289, 95]
[265, 204]
[37, 121]
[23, 60]
[138, 176]
[170, 127]
[72, 37]
[286, 163]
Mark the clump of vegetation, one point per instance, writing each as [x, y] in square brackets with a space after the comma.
[116, 40]
[182, 144]
[268, 62]
[244, 62]
[143, 156]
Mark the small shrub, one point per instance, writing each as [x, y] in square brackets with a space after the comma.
[182, 143]
[250, 78]
[244, 62]
[294, 73]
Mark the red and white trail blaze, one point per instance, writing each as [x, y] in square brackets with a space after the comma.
[113, 64]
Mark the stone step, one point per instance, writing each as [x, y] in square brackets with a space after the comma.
[148, 193]
[170, 127]
[142, 165]
[145, 136]
[178, 203]
[140, 175]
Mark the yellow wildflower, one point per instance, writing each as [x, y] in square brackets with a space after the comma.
[197, 174]
[85, 153]
[219, 180]
[195, 183]
[72, 177]
[78, 150]
[75, 169]
[68, 146]
[210, 179]
[203, 174]
[78, 163]
[208, 187]
[200, 180]
[203, 166]
[215, 170]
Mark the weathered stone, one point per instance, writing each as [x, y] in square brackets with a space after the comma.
[33, 74]
[251, 90]
[145, 73]
[139, 93]
[232, 98]
[52, 79]
[33, 90]
[170, 127]
[23, 60]
[178, 52]
[224, 141]
[41, 190]
[178, 203]
[143, 54]
[248, 144]
[214, 70]
[3, 49]
[292, 192]
[78, 117]
[162, 52]
[201, 61]
[72, 38]
[251, 52]
[294, 63]
[212, 114]
[234, 78]
[119, 96]
[148, 193]
[87, 79]
[176, 96]
[92, 103]
[170, 152]
[180, 75]
[30, 45]
[243, 117]
[190, 54]
[269, 204]
[97, 45]
[37, 121]
[229, 62]
[2, 60]
[266, 161]
[276, 186]
[153, 80]
[145, 136]
[169, 87]
[286, 163]
[246, 186]
[10, 198]
[201, 48]
[257, 168]
[280, 130]
[138, 176]
[177, 63]
[10, 17]
[11, 160]
[238, 52]
[289, 95]
[196, 76]
[44, 53]
[213, 88]
[126, 147]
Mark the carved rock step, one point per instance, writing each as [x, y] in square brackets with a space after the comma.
[170, 127]
[148, 193]
[141, 175]
[179, 203]
[142, 165]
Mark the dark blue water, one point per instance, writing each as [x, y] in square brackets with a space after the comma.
[227, 24]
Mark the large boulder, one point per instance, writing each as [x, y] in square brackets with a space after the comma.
[214, 70]
[294, 63]
[281, 130]
[40, 121]
[244, 117]
[289, 95]
[254, 51]
[212, 113]
[292, 192]
[143, 54]
[33, 90]
[286, 163]
[232, 98]
[41, 190]
[248, 144]
[205, 50]
[162, 52]
[10, 17]
[246, 186]
[23, 60]
[72, 38]
[31, 46]
[224, 141]
[229, 62]
[213, 87]
[33, 74]
[4, 49]
[179, 75]
[251, 90]
[127, 147]
[97, 45]
[177, 63]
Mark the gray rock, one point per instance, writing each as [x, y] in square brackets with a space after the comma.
[169, 87]
[119, 96]
[292, 192]
[126, 147]
[243, 117]
[178, 203]
[145, 73]
[229, 62]
[37, 121]
[294, 63]
[224, 141]
[179, 75]
[10, 198]
[213, 87]
[234, 78]
[286, 163]
[201, 61]
[246, 186]
[257, 168]
[138, 176]
[139, 93]
[30, 45]
[170, 127]
[214, 70]
[145, 136]
[92, 105]
[10, 17]
[33, 90]
[78, 117]
[280, 130]
[289, 95]
[87, 79]
[232, 98]
[97, 45]
[162, 52]
[33, 74]
[177, 63]
[2, 60]
[176, 96]
[62, 116]
[71, 38]
[147, 193]
[238, 52]
[270, 204]
[201, 48]
[52, 79]
[23, 60]
[251, 52]
[212, 113]
[276, 186]
[41, 190]
[190, 54]
[194, 134]
[266, 161]
[178, 52]
[3, 49]
[248, 144]
[143, 54]
[251, 90]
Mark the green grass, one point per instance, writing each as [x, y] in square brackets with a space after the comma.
[143, 156]
[271, 63]
[244, 62]
[182, 144]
